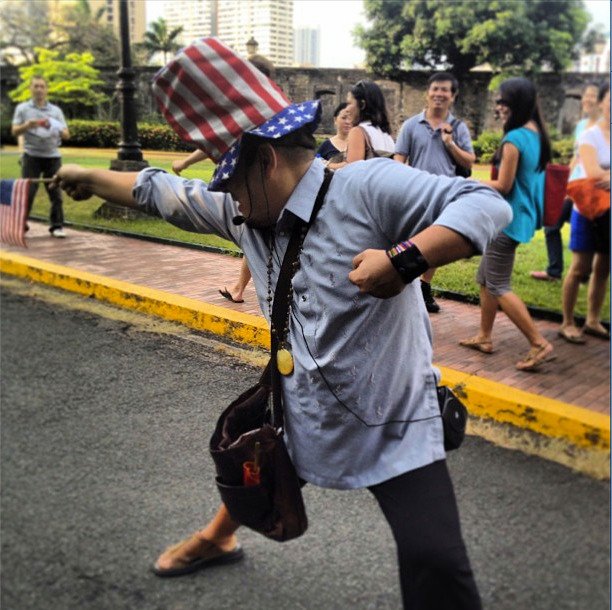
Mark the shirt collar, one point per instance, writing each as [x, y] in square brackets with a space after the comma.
[423, 119]
[301, 202]
[43, 107]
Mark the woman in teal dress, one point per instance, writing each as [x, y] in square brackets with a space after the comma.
[524, 153]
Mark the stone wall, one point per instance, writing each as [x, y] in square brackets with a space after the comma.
[559, 94]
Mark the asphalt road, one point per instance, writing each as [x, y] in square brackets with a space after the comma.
[105, 424]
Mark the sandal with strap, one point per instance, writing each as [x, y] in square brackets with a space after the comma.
[600, 332]
[480, 345]
[536, 356]
[196, 553]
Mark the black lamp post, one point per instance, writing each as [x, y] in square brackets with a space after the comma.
[129, 156]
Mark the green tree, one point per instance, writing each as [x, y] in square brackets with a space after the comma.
[22, 26]
[159, 39]
[82, 30]
[72, 80]
[509, 35]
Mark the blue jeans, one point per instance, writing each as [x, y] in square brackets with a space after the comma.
[554, 242]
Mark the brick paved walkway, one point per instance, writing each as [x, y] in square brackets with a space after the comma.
[580, 375]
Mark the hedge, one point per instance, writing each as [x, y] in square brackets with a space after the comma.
[488, 142]
[107, 134]
[156, 136]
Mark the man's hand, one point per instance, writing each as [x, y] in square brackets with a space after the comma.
[373, 273]
[73, 180]
[446, 131]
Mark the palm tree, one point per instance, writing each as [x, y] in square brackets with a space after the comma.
[158, 39]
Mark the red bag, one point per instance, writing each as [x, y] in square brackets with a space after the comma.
[555, 189]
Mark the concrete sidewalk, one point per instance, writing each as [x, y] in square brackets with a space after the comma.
[565, 408]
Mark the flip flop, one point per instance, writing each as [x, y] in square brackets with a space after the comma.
[576, 339]
[486, 347]
[227, 294]
[536, 356]
[190, 565]
[595, 332]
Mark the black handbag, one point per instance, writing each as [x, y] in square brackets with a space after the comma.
[250, 430]
[454, 418]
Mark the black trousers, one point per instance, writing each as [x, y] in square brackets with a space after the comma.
[421, 508]
[34, 167]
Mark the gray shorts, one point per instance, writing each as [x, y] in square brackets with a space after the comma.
[495, 270]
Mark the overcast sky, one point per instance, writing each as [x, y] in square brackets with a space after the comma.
[337, 19]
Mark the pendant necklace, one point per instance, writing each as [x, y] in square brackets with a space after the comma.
[284, 358]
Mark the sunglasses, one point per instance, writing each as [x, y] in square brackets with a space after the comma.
[500, 101]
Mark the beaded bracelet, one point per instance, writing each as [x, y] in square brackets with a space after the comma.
[407, 260]
[395, 250]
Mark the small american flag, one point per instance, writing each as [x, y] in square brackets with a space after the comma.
[211, 96]
[13, 211]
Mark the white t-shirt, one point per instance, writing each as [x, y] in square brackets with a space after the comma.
[593, 137]
[380, 140]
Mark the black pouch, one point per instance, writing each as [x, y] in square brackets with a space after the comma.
[454, 418]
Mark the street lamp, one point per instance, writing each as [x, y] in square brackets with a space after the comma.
[129, 156]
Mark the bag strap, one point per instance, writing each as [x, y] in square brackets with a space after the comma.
[368, 142]
[281, 303]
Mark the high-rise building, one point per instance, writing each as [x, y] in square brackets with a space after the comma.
[269, 22]
[136, 16]
[196, 17]
[307, 44]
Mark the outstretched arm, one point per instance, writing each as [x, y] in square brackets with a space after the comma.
[82, 183]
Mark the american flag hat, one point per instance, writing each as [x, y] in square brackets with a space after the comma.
[211, 96]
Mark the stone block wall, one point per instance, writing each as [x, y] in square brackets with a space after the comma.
[559, 94]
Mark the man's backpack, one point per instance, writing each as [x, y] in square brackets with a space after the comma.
[464, 172]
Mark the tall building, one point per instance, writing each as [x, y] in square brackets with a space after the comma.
[307, 45]
[598, 61]
[136, 16]
[269, 22]
[196, 17]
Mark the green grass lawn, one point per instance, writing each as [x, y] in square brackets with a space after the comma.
[458, 277]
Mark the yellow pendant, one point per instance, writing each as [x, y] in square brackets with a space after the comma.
[284, 361]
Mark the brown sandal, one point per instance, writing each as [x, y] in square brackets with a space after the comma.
[536, 356]
[195, 553]
[481, 345]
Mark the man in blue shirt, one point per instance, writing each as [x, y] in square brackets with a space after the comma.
[43, 128]
[438, 143]
[360, 405]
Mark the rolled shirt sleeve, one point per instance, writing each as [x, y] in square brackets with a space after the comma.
[404, 201]
[187, 204]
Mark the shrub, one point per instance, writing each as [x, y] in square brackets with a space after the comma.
[486, 144]
[94, 134]
[562, 150]
[489, 141]
[107, 134]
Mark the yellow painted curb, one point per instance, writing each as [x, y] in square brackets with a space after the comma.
[487, 400]
[545, 416]
[242, 328]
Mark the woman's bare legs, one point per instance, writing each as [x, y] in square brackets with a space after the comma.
[597, 291]
[236, 293]
[579, 268]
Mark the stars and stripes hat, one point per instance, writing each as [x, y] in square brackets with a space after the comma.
[211, 96]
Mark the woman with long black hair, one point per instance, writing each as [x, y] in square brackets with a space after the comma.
[371, 131]
[523, 155]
